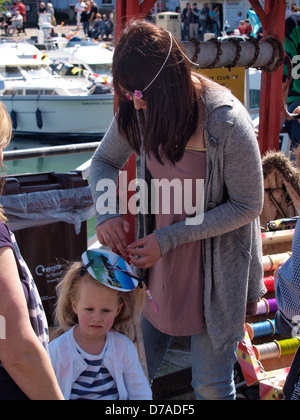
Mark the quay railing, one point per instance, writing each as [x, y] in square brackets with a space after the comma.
[67, 149]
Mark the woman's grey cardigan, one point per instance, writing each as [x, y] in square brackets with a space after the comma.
[230, 230]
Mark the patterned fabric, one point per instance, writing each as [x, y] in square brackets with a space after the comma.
[291, 387]
[288, 284]
[8, 389]
[296, 394]
[288, 301]
[95, 383]
[36, 311]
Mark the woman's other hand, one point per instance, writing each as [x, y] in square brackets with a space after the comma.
[113, 233]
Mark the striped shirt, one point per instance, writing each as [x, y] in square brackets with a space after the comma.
[95, 383]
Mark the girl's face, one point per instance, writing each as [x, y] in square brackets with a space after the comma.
[96, 309]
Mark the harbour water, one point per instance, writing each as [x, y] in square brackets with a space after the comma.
[42, 164]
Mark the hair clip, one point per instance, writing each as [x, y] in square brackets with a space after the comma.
[138, 94]
[84, 268]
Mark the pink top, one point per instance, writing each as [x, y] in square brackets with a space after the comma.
[176, 281]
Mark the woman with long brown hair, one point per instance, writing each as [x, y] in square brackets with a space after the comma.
[203, 252]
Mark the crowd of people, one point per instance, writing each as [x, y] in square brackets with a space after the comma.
[94, 24]
[88, 19]
[15, 19]
[196, 22]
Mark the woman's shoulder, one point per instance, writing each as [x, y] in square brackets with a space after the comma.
[5, 237]
[221, 104]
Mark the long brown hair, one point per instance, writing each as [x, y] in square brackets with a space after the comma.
[172, 99]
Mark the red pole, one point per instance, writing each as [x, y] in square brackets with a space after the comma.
[125, 11]
[272, 19]
[119, 18]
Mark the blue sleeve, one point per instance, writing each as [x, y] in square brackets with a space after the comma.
[288, 281]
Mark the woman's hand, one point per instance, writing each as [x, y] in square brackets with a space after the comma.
[113, 233]
[145, 252]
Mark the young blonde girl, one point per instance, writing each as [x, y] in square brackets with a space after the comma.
[93, 359]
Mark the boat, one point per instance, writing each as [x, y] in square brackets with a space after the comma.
[41, 102]
[81, 60]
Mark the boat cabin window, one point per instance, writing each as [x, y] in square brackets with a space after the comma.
[12, 72]
[101, 69]
[72, 70]
[16, 72]
[254, 98]
[9, 92]
[27, 92]
[40, 92]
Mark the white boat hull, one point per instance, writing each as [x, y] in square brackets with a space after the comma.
[61, 115]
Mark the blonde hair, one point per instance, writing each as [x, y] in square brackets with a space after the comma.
[5, 137]
[68, 291]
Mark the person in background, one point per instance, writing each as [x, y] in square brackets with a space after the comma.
[14, 7]
[238, 19]
[16, 22]
[42, 9]
[6, 22]
[205, 23]
[98, 27]
[241, 28]
[94, 10]
[25, 367]
[248, 27]
[194, 22]
[206, 269]
[51, 11]
[294, 9]
[79, 8]
[22, 9]
[215, 20]
[85, 20]
[185, 17]
[108, 29]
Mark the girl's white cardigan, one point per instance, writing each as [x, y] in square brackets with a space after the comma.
[121, 359]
